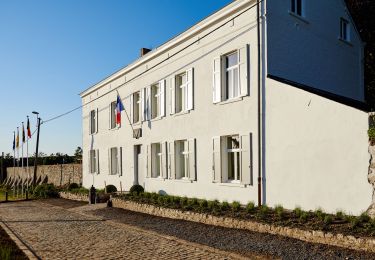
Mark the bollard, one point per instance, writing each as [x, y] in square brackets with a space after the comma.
[6, 196]
[92, 195]
[27, 194]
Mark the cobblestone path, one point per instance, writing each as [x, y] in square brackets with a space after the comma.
[55, 232]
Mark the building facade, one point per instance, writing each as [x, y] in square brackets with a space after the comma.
[257, 102]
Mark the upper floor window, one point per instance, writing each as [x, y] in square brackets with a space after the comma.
[155, 100]
[112, 115]
[181, 92]
[344, 30]
[93, 121]
[297, 7]
[231, 75]
[136, 106]
[152, 101]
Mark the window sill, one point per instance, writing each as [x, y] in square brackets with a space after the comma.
[182, 180]
[156, 119]
[231, 184]
[232, 100]
[115, 128]
[301, 18]
[137, 124]
[345, 41]
[156, 178]
[93, 133]
[182, 113]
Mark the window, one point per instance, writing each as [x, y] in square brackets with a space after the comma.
[344, 30]
[232, 157]
[297, 7]
[113, 161]
[155, 101]
[181, 92]
[230, 75]
[94, 161]
[93, 122]
[136, 107]
[156, 163]
[112, 115]
[182, 159]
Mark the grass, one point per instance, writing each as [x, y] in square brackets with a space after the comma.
[8, 249]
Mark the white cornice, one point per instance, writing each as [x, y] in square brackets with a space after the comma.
[188, 34]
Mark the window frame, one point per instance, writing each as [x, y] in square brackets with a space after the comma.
[137, 104]
[182, 156]
[93, 121]
[156, 156]
[112, 115]
[93, 163]
[237, 171]
[294, 4]
[345, 30]
[111, 161]
[183, 89]
[228, 70]
[156, 100]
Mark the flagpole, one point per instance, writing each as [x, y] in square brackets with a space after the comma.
[14, 153]
[23, 134]
[126, 113]
[18, 150]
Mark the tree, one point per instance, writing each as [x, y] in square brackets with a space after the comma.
[78, 154]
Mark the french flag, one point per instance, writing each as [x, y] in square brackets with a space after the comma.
[119, 108]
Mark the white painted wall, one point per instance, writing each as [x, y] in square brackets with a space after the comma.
[316, 151]
[309, 52]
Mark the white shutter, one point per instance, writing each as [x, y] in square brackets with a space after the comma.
[164, 155]
[119, 159]
[148, 103]
[109, 161]
[110, 116]
[148, 165]
[216, 81]
[190, 88]
[90, 123]
[143, 104]
[216, 159]
[192, 161]
[246, 161]
[243, 70]
[171, 163]
[97, 162]
[131, 108]
[172, 97]
[97, 120]
[162, 98]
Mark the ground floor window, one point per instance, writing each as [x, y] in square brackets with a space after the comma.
[113, 160]
[156, 163]
[182, 159]
[232, 158]
[94, 161]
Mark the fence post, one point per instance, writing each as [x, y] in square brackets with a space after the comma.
[6, 195]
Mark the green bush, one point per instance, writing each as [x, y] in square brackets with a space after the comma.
[154, 197]
[111, 188]
[340, 215]
[320, 214]
[279, 210]
[263, 211]
[371, 133]
[203, 204]
[298, 212]
[160, 200]
[183, 201]
[44, 191]
[72, 186]
[328, 220]
[364, 218]
[80, 190]
[213, 205]
[235, 206]
[355, 222]
[224, 206]
[137, 189]
[304, 216]
[250, 207]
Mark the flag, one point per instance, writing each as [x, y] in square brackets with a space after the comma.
[14, 141]
[18, 138]
[28, 128]
[119, 108]
[23, 134]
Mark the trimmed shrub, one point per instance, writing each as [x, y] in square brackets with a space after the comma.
[328, 220]
[72, 186]
[298, 212]
[203, 204]
[183, 201]
[263, 210]
[235, 206]
[320, 214]
[224, 206]
[80, 190]
[304, 216]
[250, 207]
[340, 215]
[44, 191]
[137, 189]
[279, 210]
[111, 188]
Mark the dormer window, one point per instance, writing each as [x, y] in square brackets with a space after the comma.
[344, 30]
[297, 7]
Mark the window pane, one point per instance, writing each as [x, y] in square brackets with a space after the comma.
[156, 160]
[232, 60]
[113, 160]
[293, 6]
[236, 85]
[299, 7]
[230, 84]
[230, 166]
[113, 115]
[136, 104]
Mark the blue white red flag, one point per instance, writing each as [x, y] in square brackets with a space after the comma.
[119, 108]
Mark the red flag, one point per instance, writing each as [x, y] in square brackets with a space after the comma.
[28, 128]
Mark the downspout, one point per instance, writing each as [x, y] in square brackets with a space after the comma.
[259, 113]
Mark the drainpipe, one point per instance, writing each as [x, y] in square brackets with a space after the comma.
[259, 113]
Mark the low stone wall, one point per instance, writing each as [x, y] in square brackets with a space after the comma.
[58, 175]
[71, 196]
[364, 244]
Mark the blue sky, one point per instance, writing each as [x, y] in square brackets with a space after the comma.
[52, 50]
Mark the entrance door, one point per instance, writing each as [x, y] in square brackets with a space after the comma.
[138, 162]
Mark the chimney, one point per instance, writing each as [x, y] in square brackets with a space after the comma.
[144, 51]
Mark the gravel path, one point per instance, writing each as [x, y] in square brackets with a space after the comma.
[243, 242]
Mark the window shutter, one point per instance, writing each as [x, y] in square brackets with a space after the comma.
[246, 155]
[131, 108]
[97, 162]
[119, 158]
[90, 123]
[216, 159]
[90, 169]
[148, 167]
[162, 97]
[164, 155]
[109, 162]
[243, 68]
[216, 89]
[143, 104]
[110, 116]
[97, 120]
[172, 97]
[190, 88]
[171, 163]
[192, 161]
[148, 103]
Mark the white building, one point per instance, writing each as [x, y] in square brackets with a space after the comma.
[240, 108]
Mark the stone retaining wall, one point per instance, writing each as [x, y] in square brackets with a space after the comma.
[58, 175]
[71, 196]
[364, 244]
